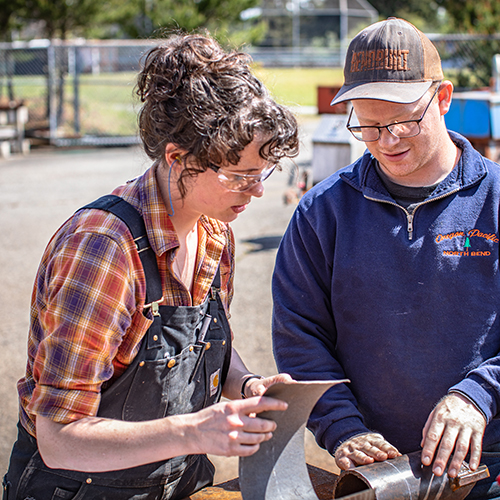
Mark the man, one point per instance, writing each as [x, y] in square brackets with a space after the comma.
[388, 274]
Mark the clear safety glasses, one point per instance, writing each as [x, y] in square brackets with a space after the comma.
[241, 182]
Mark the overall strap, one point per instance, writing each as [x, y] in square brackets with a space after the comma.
[215, 305]
[214, 293]
[134, 221]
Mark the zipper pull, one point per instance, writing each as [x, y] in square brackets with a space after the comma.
[409, 218]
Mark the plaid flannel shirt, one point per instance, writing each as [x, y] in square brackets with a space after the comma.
[87, 316]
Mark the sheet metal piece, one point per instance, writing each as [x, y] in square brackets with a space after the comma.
[278, 470]
[405, 478]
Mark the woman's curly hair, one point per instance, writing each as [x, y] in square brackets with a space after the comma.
[207, 102]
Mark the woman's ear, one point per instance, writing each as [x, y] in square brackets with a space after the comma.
[173, 153]
[445, 96]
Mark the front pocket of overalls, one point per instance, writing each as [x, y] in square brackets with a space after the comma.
[214, 361]
[185, 387]
[41, 483]
[90, 491]
[161, 387]
[62, 494]
[146, 482]
[146, 400]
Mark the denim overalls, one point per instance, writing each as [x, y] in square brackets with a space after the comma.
[180, 368]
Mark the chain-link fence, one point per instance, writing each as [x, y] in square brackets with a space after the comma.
[468, 59]
[75, 93]
[83, 93]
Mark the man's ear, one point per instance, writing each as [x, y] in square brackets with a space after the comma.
[444, 96]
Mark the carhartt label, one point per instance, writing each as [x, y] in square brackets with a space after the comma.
[389, 59]
[214, 382]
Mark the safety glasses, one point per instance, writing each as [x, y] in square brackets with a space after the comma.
[240, 182]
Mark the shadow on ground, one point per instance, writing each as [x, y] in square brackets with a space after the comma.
[264, 243]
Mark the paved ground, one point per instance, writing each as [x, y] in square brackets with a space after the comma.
[38, 192]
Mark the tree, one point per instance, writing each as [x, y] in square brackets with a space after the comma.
[474, 18]
[423, 14]
[458, 17]
[147, 18]
[61, 18]
[8, 18]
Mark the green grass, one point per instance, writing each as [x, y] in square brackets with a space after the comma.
[297, 86]
[108, 105]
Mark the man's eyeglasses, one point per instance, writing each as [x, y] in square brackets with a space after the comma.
[402, 130]
[241, 182]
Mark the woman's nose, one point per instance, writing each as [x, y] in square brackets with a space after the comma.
[257, 190]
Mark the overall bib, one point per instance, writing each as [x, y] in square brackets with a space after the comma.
[180, 368]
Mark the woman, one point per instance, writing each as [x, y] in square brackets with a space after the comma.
[130, 346]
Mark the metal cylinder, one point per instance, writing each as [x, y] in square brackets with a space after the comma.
[405, 478]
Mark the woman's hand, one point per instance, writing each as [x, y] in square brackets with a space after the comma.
[232, 428]
[257, 387]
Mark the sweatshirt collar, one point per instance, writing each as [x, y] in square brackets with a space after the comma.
[470, 169]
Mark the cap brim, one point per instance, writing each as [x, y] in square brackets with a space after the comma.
[400, 92]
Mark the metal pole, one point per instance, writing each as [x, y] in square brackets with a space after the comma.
[3, 70]
[148, 14]
[496, 73]
[296, 30]
[344, 28]
[51, 56]
[10, 74]
[75, 73]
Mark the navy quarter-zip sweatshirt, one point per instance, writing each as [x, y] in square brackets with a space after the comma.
[405, 305]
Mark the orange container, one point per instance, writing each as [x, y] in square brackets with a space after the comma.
[325, 97]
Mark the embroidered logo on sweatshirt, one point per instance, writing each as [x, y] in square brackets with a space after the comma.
[469, 243]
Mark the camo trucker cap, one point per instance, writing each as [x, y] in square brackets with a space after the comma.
[390, 60]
